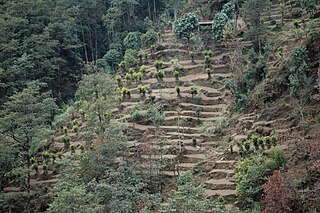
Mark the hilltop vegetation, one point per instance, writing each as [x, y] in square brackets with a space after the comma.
[142, 106]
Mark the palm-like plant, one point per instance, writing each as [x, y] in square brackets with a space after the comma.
[131, 71]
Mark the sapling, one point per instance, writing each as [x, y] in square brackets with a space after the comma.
[192, 55]
[178, 90]
[176, 74]
[118, 79]
[209, 71]
[207, 60]
[194, 142]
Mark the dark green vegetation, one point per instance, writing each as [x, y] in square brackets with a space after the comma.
[133, 106]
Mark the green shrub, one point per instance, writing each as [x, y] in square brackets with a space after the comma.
[252, 173]
[122, 65]
[131, 71]
[278, 155]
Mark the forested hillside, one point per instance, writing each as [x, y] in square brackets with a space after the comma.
[159, 106]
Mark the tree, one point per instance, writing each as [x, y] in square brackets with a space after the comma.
[276, 194]
[97, 95]
[189, 198]
[252, 10]
[25, 119]
[132, 40]
[225, 19]
[113, 58]
[130, 58]
[149, 38]
[186, 25]
[309, 5]
[298, 66]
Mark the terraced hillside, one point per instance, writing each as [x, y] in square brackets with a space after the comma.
[207, 158]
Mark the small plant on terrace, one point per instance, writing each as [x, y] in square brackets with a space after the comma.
[254, 140]
[131, 71]
[178, 90]
[128, 78]
[140, 56]
[176, 74]
[125, 93]
[194, 142]
[142, 90]
[209, 72]
[122, 65]
[193, 91]
[118, 79]
[143, 69]
[158, 64]
[159, 75]
[207, 60]
[208, 53]
[198, 113]
[192, 55]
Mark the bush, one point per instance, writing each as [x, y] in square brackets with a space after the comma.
[252, 173]
[176, 74]
[136, 115]
[278, 155]
[277, 194]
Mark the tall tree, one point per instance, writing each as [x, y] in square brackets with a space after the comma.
[25, 119]
[252, 10]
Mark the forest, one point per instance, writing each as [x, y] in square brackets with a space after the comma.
[193, 106]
